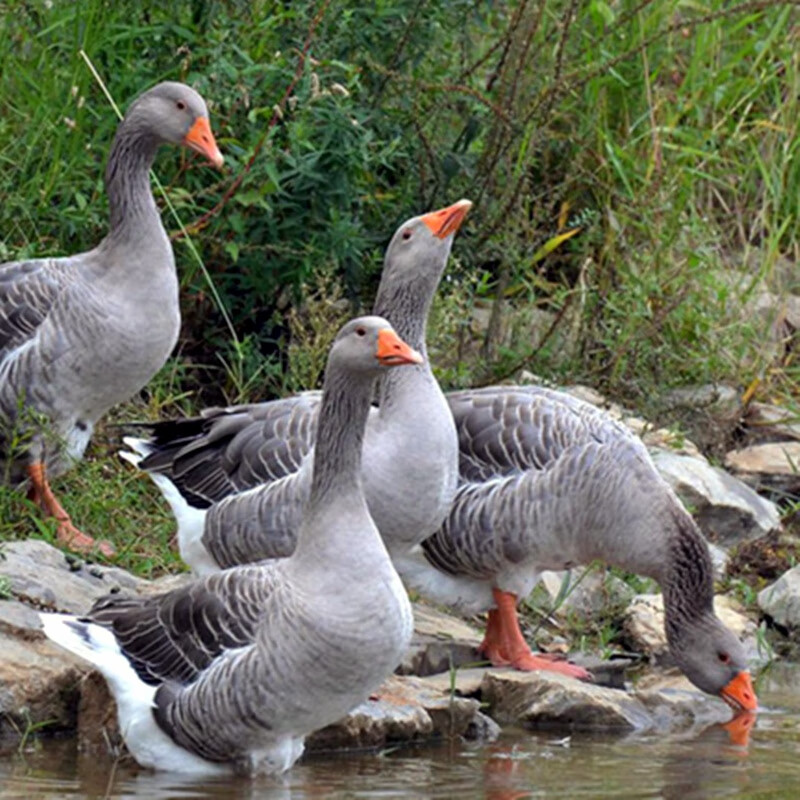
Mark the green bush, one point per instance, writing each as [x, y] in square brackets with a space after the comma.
[662, 136]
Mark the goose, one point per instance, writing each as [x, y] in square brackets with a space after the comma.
[200, 461]
[232, 671]
[82, 333]
[549, 482]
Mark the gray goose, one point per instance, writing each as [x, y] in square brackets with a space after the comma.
[83, 333]
[200, 461]
[549, 482]
[232, 671]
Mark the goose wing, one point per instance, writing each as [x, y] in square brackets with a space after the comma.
[175, 636]
[509, 429]
[228, 450]
[258, 524]
[28, 292]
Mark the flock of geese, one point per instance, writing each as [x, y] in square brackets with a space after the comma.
[305, 519]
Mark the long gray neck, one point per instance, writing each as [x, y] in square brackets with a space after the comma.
[687, 582]
[340, 434]
[130, 198]
[407, 305]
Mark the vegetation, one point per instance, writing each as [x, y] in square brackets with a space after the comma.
[634, 164]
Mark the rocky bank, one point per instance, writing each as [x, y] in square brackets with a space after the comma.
[441, 690]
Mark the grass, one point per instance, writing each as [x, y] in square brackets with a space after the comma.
[634, 166]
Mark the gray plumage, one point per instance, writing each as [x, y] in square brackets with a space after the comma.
[550, 482]
[82, 333]
[244, 664]
[267, 448]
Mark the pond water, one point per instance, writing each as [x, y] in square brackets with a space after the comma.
[718, 762]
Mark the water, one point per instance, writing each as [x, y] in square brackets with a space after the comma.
[697, 766]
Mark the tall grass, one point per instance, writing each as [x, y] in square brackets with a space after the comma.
[634, 165]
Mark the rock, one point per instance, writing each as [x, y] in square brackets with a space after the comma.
[781, 600]
[727, 510]
[720, 559]
[38, 680]
[723, 401]
[644, 624]
[596, 592]
[771, 422]
[440, 642]
[407, 709]
[42, 576]
[775, 465]
[539, 699]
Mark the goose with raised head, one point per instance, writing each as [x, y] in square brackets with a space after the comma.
[202, 464]
[232, 671]
[80, 334]
[550, 482]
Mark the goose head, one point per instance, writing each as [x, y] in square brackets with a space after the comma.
[713, 659]
[369, 345]
[422, 244]
[175, 113]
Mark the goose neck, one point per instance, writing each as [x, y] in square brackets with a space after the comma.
[130, 198]
[407, 307]
[340, 435]
[687, 582]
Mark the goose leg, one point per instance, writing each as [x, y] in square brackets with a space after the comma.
[504, 644]
[66, 533]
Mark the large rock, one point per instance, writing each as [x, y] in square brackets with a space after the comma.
[549, 700]
[644, 625]
[440, 642]
[775, 465]
[38, 680]
[771, 422]
[43, 577]
[781, 600]
[723, 402]
[406, 709]
[726, 509]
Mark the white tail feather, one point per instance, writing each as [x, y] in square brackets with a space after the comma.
[94, 644]
[150, 746]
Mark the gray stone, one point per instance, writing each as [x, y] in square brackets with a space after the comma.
[38, 680]
[781, 600]
[771, 422]
[539, 699]
[775, 465]
[726, 509]
[43, 577]
[723, 401]
[440, 642]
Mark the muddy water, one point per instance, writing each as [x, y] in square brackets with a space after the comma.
[696, 766]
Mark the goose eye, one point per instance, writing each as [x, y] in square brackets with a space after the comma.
[181, 105]
[361, 331]
[407, 234]
[724, 658]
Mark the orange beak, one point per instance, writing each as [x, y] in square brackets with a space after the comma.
[393, 351]
[739, 694]
[202, 140]
[446, 221]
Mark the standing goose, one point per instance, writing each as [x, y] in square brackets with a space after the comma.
[549, 482]
[80, 334]
[198, 462]
[235, 669]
